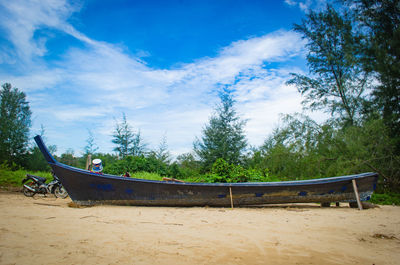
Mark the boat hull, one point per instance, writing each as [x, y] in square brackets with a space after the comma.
[89, 188]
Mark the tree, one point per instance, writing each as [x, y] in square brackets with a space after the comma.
[91, 146]
[188, 165]
[162, 154]
[224, 136]
[68, 158]
[138, 147]
[36, 160]
[302, 149]
[379, 20]
[15, 121]
[127, 141]
[337, 81]
[123, 137]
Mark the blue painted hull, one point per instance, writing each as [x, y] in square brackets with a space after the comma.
[88, 188]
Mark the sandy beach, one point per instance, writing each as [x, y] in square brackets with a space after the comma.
[46, 230]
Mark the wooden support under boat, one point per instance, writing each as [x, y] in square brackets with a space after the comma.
[230, 194]
[356, 194]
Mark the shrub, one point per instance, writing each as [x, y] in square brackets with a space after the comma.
[386, 199]
[222, 171]
[149, 164]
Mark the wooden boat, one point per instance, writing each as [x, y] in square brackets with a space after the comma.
[87, 188]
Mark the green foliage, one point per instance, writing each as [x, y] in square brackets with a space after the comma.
[36, 160]
[68, 158]
[337, 80]
[292, 151]
[107, 159]
[15, 121]
[133, 164]
[222, 171]
[10, 177]
[224, 136]
[188, 166]
[147, 175]
[379, 22]
[127, 142]
[302, 149]
[123, 137]
[371, 148]
[91, 146]
[162, 154]
[386, 198]
[173, 170]
[346, 50]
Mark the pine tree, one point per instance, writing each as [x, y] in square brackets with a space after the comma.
[224, 136]
[162, 154]
[127, 141]
[138, 146]
[91, 146]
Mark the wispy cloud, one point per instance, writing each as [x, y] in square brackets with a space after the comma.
[22, 18]
[90, 86]
[306, 5]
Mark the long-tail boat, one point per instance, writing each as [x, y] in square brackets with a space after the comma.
[88, 188]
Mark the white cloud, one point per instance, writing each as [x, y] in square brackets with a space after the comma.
[291, 2]
[91, 86]
[306, 5]
[23, 18]
[245, 55]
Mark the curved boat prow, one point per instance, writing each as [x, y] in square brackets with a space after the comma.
[49, 158]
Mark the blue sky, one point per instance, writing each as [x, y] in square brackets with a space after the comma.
[84, 63]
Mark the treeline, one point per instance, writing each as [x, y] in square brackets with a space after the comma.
[353, 55]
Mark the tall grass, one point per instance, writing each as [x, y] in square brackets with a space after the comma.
[14, 178]
[146, 175]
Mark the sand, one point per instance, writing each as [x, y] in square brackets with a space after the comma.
[45, 230]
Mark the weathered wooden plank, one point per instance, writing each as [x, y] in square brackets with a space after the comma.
[230, 195]
[356, 194]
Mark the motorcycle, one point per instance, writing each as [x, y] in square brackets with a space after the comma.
[38, 184]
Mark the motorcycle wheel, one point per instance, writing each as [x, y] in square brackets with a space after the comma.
[60, 192]
[27, 192]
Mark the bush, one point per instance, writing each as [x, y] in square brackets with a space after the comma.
[36, 161]
[133, 164]
[189, 167]
[224, 172]
[303, 149]
[386, 199]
